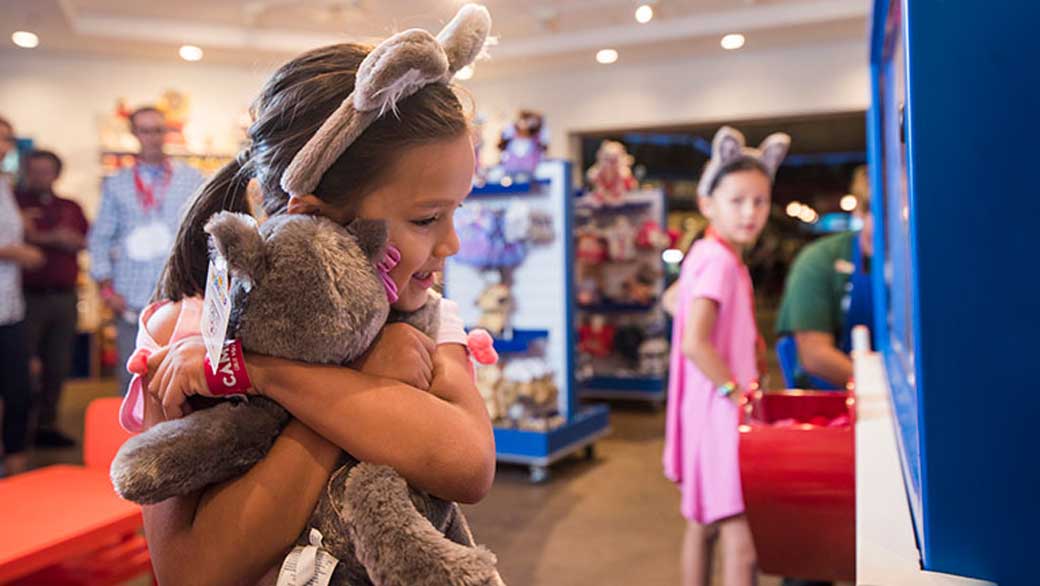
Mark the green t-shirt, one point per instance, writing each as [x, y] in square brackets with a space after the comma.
[815, 287]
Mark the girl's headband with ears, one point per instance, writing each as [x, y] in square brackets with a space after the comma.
[397, 68]
[729, 146]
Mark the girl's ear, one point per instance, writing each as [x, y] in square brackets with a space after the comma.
[704, 204]
[774, 149]
[237, 238]
[307, 204]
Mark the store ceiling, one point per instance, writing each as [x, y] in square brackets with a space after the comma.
[539, 33]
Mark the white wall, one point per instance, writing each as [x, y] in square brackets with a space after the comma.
[780, 82]
[58, 100]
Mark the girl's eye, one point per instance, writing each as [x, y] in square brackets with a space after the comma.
[426, 221]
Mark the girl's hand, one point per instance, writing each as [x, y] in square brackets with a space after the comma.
[402, 353]
[175, 372]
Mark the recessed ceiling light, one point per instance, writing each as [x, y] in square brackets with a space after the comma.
[644, 14]
[606, 56]
[191, 53]
[732, 41]
[25, 39]
[464, 73]
[849, 202]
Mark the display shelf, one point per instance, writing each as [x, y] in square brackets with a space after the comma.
[520, 341]
[628, 208]
[509, 188]
[539, 449]
[619, 387]
[609, 307]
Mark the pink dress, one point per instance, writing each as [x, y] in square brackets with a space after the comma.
[701, 437]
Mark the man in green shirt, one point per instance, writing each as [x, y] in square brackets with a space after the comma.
[826, 294]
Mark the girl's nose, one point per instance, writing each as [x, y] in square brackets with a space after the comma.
[448, 245]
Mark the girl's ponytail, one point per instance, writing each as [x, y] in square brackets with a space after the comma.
[185, 271]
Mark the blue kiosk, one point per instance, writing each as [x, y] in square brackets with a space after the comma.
[957, 293]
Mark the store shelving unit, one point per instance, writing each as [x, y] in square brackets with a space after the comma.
[542, 321]
[610, 377]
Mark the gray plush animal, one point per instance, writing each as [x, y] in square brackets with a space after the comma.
[306, 289]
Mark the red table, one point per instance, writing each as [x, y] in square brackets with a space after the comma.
[56, 513]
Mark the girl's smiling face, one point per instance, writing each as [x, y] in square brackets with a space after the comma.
[418, 202]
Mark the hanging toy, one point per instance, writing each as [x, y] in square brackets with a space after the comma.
[481, 347]
[611, 176]
[523, 144]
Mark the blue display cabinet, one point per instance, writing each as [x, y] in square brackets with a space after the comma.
[541, 320]
[956, 204]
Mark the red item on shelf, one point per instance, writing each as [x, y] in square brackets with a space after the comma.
[596, 340]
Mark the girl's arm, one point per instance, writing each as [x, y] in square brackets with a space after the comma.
[697, 344]
[234, 532]
[441, 441]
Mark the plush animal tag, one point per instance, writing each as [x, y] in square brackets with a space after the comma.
[307, 565]
[216, 310]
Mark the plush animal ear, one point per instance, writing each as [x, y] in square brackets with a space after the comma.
[463, 38]
[774, 149]
[728, 145]
[371, 236]
[237, 238]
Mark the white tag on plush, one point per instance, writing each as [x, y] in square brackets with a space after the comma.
[216, 309]
[308, 565]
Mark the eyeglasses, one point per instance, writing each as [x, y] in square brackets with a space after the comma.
[150, 129]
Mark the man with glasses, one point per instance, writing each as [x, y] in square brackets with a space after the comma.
[141, 209]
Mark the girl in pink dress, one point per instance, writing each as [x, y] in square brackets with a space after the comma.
[713, 356]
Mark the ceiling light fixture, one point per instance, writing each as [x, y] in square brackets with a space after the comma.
[25, 39]
[190, 53]
[606, 56]
[733, 41]
[849, 202]
[644, 14]
[464, 73]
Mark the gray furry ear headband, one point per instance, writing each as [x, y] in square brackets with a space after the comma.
[397, 68]
[729, 146]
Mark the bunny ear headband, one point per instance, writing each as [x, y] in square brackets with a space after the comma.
[729, 146]
[400, 66]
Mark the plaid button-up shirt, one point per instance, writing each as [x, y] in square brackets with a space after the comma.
[12, 305]
[121, 213]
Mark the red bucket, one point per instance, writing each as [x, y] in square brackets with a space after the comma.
[797, 467]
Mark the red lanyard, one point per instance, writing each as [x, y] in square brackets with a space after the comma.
[146, 194]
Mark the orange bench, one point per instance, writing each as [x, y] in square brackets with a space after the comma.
[65, 525]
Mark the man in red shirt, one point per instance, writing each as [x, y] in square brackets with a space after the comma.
[59, 228]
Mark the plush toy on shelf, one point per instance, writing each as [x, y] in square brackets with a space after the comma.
[610, 177]
[652, 236]
[640, 287]
[596, 338]
[653, 357]
[591, 246]
[522, 144]
[496, 306]
[529, 394]
[621, 240]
